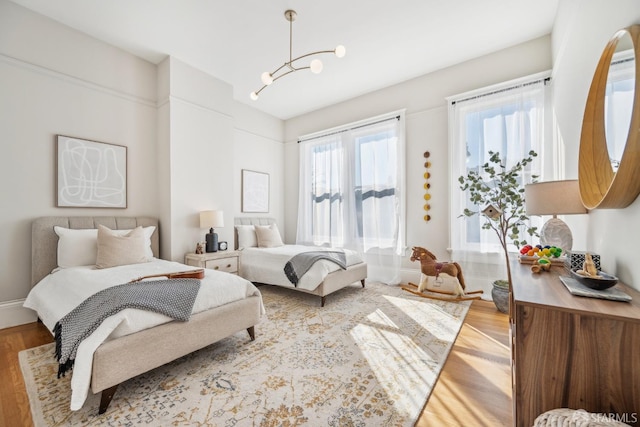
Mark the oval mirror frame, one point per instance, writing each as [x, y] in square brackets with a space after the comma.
[600, 186]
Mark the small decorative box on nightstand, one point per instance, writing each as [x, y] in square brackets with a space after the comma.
[222, 261]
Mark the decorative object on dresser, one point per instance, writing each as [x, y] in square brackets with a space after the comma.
[227, 261]
[554, 198]
[223, 246]
[588, 357]
[211, 219]
[90, 174]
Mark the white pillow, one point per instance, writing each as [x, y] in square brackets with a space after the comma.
[246, 236]
[268, 236]
[77, 247]
[116, 249]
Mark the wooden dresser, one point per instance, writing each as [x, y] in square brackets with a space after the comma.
[572, 352]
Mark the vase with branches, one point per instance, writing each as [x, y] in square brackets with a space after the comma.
[499, 192]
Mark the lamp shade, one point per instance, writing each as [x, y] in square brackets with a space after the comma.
[211, 219]
[553, 198]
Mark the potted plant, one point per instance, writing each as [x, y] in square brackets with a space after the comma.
[499, 194]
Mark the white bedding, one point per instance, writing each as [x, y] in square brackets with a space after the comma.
[60, 292]
[266, 265]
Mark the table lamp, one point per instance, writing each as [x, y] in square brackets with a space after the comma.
[211, 220]
[554, 198]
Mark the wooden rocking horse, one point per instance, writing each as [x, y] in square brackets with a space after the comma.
[443, 278]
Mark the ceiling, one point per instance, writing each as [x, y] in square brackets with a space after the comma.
[386, 42]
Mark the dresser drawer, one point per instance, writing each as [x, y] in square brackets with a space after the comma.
[230, 265]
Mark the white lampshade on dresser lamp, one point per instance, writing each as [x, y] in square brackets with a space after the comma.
[211, 220]
[554, 198]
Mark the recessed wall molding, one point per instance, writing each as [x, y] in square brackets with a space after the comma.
[75, 80]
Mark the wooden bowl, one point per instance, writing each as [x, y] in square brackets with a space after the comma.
[605, 282]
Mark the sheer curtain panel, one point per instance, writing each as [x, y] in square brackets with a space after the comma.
[352, 192]
[510, 120]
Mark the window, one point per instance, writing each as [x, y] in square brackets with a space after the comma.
[509, 120]
[618, 104]
[352, 187]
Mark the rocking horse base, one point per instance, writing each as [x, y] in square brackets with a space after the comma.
[439, 295]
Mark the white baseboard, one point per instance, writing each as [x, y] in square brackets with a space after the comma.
[12, 313]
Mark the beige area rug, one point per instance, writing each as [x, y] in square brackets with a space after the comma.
[370, 357]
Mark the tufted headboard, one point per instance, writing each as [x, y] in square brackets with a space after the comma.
[249, 221]
[44, 241]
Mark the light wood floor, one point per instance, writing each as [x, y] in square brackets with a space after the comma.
[474, 388]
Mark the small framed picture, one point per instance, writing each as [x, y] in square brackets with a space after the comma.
[255, 191]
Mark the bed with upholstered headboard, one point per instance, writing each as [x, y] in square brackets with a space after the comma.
[264, 265]
[117, 360]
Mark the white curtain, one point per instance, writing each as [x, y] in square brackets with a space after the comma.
[510, 121]
[352, 192]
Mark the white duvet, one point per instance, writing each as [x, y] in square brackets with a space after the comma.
[266, 265]
[60, 292]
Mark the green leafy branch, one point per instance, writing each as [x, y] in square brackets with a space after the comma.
[503, 191]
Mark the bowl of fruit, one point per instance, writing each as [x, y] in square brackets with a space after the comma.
[539, 254]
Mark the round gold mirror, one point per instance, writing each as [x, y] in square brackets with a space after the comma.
[605, 180]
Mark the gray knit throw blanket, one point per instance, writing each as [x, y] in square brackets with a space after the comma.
[173, 298]
[301, 263]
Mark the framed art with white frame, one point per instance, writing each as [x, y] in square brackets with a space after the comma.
[90, 174]
[255, 191]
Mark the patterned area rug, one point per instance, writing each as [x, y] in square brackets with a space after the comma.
[370, 357]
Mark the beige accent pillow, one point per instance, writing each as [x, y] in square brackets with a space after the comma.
[268, 236]
[116, 249]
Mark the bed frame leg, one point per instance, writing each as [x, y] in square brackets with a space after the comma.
[252, 333]
[105, 398]
[322, 300]
[362, 281]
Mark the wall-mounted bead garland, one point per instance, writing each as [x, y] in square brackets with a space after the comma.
[427, 186]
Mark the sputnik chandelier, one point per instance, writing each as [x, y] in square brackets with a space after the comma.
[288, 67]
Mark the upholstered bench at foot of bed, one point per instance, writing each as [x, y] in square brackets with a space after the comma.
[338, 280]
[119, 360]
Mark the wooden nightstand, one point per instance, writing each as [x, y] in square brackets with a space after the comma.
[221, 260]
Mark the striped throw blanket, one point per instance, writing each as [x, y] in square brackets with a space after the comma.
[173, 298]
[302, 262]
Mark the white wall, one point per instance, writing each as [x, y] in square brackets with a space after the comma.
[426, 130]
[196, 156]
[176, 121]
[257, 146]
[581, 31]
[54, 80]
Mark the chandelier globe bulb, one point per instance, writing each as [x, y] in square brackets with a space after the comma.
[316, 66]
[266, 78]
[253, 96]
[340, 51]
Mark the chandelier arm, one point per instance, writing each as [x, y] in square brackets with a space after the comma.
[312, 53]
[280, 76]
[290, 15]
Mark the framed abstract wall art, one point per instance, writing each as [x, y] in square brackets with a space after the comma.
[90, 174]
